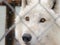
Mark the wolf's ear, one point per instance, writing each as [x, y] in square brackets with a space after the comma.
[28, 2]
[47, 3]
[24, 3]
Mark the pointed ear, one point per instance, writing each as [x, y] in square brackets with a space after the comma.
[57, 7]
[28, 2]
[24, 3]
[47, 3]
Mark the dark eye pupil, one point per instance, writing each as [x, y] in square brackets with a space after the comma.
[27, 18]
[42, 20]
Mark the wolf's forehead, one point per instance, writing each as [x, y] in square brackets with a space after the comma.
[38, 10]
[38, 14]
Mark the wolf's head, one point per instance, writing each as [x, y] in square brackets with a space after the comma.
[32, 24]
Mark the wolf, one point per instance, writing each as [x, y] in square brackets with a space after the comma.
[31, 24]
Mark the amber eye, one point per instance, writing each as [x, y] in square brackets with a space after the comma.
[42, 20]
[27, 18]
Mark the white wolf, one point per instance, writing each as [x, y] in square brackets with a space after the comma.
[31, 25]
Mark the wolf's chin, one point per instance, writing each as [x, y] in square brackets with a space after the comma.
[28, 43]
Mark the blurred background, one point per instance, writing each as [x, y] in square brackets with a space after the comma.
[7, 16]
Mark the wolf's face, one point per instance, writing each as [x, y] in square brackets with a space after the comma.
[32, 25]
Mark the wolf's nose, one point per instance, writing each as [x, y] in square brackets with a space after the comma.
[26, 37]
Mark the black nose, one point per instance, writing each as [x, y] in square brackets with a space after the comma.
[26, 37]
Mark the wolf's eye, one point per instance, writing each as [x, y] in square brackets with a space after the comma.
[42, 20]
[27, 18]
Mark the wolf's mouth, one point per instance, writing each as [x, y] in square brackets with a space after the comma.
[27, 43]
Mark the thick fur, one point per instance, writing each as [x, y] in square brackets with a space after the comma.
[38, 12]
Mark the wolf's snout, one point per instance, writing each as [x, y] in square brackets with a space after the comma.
[26, 37]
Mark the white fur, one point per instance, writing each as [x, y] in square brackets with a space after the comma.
[38, 12]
